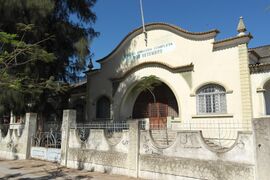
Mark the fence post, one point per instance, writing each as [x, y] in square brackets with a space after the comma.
[69, 119]
[261, 133]
[133, 149]
[29, 131]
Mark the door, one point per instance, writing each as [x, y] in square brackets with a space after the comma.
[158, 111]
[158, 115]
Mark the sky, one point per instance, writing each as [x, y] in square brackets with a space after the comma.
[116, 18]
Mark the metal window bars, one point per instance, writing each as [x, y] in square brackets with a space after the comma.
[211, 99]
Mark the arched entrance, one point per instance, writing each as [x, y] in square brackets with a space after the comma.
[157, 111]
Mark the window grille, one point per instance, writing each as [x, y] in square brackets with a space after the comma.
[211, 99]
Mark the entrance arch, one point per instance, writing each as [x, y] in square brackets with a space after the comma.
[157, 106]
[126, 93]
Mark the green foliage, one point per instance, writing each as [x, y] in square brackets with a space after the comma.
[148, 83]
[41, 46]
[8, 38]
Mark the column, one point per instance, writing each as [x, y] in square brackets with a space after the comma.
[245, 84]
[133, 149]
[28, 132]
[69, 119]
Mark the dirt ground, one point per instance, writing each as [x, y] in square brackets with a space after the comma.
[39, 170]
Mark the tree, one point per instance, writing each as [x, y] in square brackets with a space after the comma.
[68, 21]
[16, 53]
[53, 38]
[14, 86]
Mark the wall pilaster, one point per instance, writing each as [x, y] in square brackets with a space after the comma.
[245, 85]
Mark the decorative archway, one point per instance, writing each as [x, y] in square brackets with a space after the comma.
[126, 93]
[157, 111]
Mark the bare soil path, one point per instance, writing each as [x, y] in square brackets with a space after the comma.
[42, 170]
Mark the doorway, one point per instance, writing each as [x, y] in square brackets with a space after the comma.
[157, 111]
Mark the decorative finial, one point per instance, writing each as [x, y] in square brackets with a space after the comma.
[241, 28]
[90, 65]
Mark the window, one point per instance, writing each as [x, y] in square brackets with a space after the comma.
[211, 99]
[103, 108]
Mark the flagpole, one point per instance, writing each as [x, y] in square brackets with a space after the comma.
[143, 25]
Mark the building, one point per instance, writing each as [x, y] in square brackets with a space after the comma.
[204, 104]
[203, 80]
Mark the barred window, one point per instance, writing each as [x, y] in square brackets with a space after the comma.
[211, 99]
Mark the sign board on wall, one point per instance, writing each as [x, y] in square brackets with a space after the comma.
[151, 51]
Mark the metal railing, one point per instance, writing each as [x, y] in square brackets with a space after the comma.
[112, 129]
[114, 125]
[47, 139]
[197, 125]
[215, 133]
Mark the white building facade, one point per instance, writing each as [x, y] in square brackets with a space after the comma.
[165, 104]
[202, 80]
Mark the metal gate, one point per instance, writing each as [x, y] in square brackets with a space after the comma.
[46, 146]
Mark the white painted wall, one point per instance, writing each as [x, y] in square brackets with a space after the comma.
[258, 92]
[220, 66]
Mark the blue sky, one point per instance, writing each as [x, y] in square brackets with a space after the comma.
[116, 18]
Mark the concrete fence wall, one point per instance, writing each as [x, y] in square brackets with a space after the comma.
[138, 155]
[261, 129]
[191, 158]
[16, 143]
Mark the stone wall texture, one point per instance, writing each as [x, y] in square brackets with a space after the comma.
[136, 152]
[138, 155]
[16, 145]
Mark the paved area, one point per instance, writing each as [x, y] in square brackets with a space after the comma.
[39, 170]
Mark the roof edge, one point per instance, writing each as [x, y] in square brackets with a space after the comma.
[231, 42]
[151, 26]
[259, 68]
[252, 51]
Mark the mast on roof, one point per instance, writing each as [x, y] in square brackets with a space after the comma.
[143, 25]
